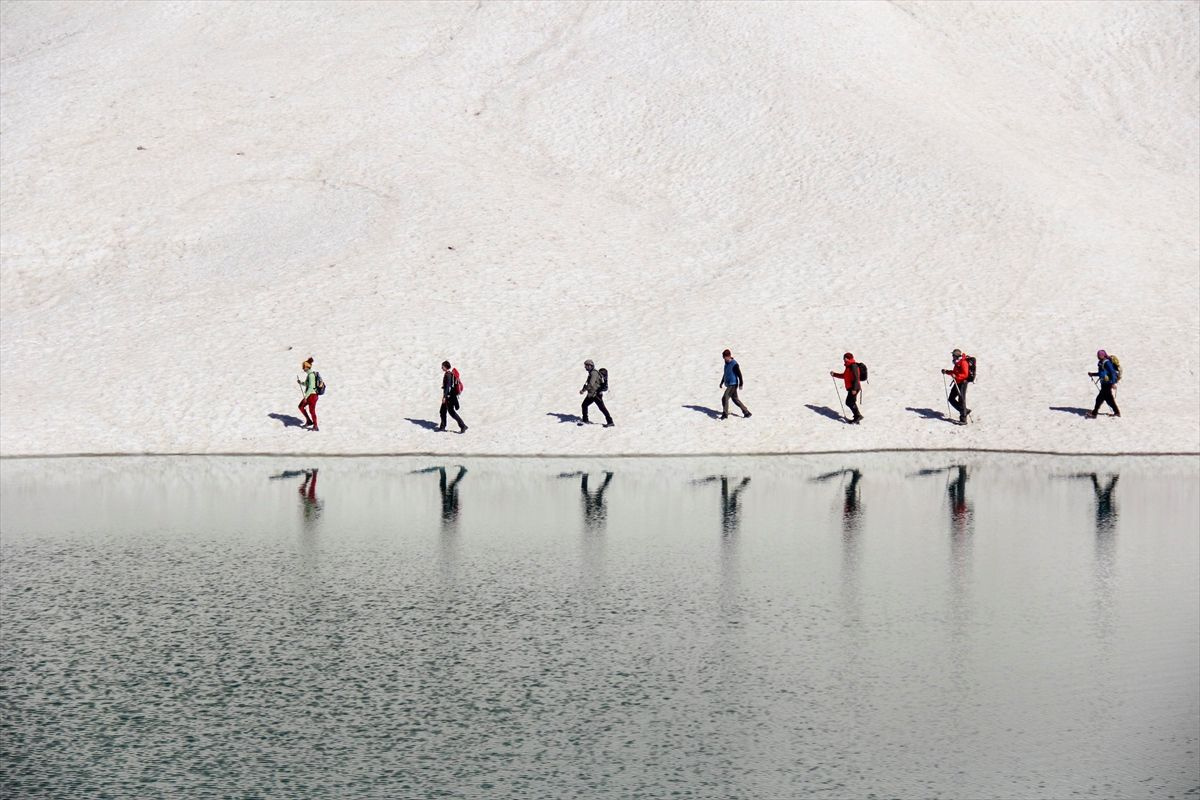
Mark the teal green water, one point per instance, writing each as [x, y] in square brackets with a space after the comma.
[870, 626]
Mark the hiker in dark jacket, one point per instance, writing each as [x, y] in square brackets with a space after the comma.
[1107, 373]
[450, 397]
[593, 388]
[731, 379]
[850, 376]
[960, 374]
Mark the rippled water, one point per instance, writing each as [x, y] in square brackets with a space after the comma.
[933, 626]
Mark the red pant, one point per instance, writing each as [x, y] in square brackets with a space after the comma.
[309, 406]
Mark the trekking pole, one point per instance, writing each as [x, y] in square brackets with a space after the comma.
[839, 396]
[946, 392]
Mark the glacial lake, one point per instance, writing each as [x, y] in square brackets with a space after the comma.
[925, 625]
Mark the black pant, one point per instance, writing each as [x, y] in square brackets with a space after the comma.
[852, 403]
[450, 406]
[598, 399]
[1106, 396]
[958, 399]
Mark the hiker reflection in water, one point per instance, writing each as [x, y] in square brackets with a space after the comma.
[851, 519]
[850, 502]
[1106, 543]
[960, 511]
[308, 489]
[449, 490]
[1106, 509]
[729, 502]
[450, 494]
[594, 510]
[309, 503]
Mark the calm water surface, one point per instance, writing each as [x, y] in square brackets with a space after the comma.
[859, 626]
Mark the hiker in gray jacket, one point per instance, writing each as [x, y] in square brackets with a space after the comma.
[594, 387]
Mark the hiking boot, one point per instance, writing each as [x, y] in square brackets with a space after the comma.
[463, 429]
[439, 429]
[1116, 413]
[747, 415]
[314, 428]
[856, 420]
[724, 416]
[1090, 414]
[609, 424]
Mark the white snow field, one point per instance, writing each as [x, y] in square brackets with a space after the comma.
[195, 197]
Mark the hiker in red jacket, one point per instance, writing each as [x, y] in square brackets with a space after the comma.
[960, 374]
[849, 376]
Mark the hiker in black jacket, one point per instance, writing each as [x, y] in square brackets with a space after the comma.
[593, 387]
[450, 397]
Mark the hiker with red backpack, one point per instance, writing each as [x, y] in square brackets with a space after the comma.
[851, 376]
[1108, 370]
[961, 375]
[452, 387]
[313, 386]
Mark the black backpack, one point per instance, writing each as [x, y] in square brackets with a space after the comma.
[970, 368]
[603, 380]
[320, 383]
[862, 371]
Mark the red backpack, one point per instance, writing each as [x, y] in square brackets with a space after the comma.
[458, 384]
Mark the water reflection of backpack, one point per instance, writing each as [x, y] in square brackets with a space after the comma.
[970, 368]
[1116, 362]
[320, 383]
[603, 380]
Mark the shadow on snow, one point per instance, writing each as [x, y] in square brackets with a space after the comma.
[565, 417]
[929, 413]
[825, 411]
[711, 413]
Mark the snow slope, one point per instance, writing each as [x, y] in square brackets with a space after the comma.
[194, 197]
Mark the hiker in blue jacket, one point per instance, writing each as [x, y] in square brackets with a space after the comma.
[1108, 374]
[731, 379]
